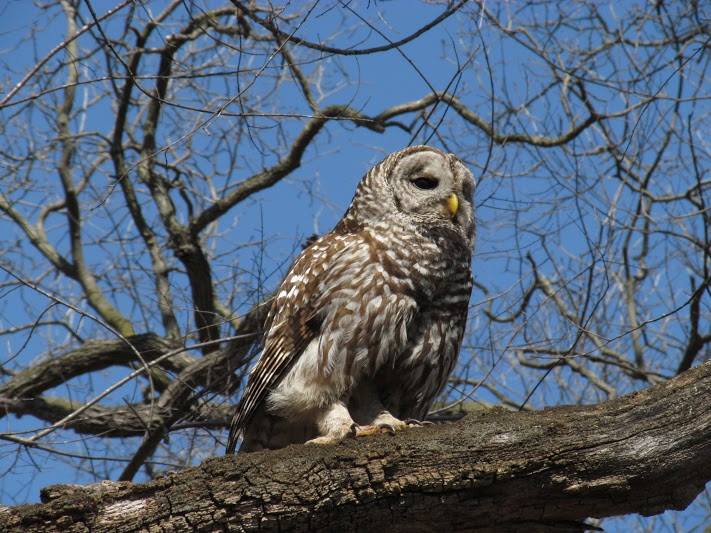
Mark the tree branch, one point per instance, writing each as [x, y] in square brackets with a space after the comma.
[499, 470]
[210, 371]
[90, 357]
[38, 238]
[286, 164]
[269, 24]
[65, 169]
[21, 395]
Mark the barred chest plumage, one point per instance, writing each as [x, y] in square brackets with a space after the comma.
[431, 266]
[421, 262]
[378, 298]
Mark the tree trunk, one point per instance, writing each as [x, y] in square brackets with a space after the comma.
[497, 470]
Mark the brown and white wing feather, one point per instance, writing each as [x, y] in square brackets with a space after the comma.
[290, 328]
[294, 321]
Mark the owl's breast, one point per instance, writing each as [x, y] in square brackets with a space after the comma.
[420, 263]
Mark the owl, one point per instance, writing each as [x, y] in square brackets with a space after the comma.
[366, 327]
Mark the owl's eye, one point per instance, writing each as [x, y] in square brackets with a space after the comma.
[425, 183]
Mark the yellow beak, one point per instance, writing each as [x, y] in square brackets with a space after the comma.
[453, 204]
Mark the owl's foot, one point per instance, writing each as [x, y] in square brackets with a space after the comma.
[386, 420]
[385, 423]
[334, 424]
[355, 431]
[373, 429]
[335, 436]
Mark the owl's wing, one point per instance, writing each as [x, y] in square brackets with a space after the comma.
[293, 322]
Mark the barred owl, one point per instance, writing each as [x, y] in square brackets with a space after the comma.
[367, 325]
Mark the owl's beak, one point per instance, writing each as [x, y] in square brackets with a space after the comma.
[453, 204]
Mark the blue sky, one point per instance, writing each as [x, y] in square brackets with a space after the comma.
[313, 198]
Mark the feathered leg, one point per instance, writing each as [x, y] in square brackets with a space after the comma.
[334, 424]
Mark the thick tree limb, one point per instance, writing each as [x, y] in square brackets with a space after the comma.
[499, 470]
[90, 357]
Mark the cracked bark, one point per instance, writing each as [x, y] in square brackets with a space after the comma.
[493, 471]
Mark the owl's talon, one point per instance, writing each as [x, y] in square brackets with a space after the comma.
[387, 428]
[372, 429]
[413, 422]
[322, 441]
[366, 431]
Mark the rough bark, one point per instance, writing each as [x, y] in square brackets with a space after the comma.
[497, 470]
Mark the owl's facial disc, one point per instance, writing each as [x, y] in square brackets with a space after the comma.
[425, 185]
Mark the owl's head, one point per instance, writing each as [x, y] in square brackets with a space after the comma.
[421, 184]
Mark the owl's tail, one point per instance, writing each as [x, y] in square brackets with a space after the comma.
[236, 431]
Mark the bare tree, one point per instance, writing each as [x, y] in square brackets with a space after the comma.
[163, 163]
